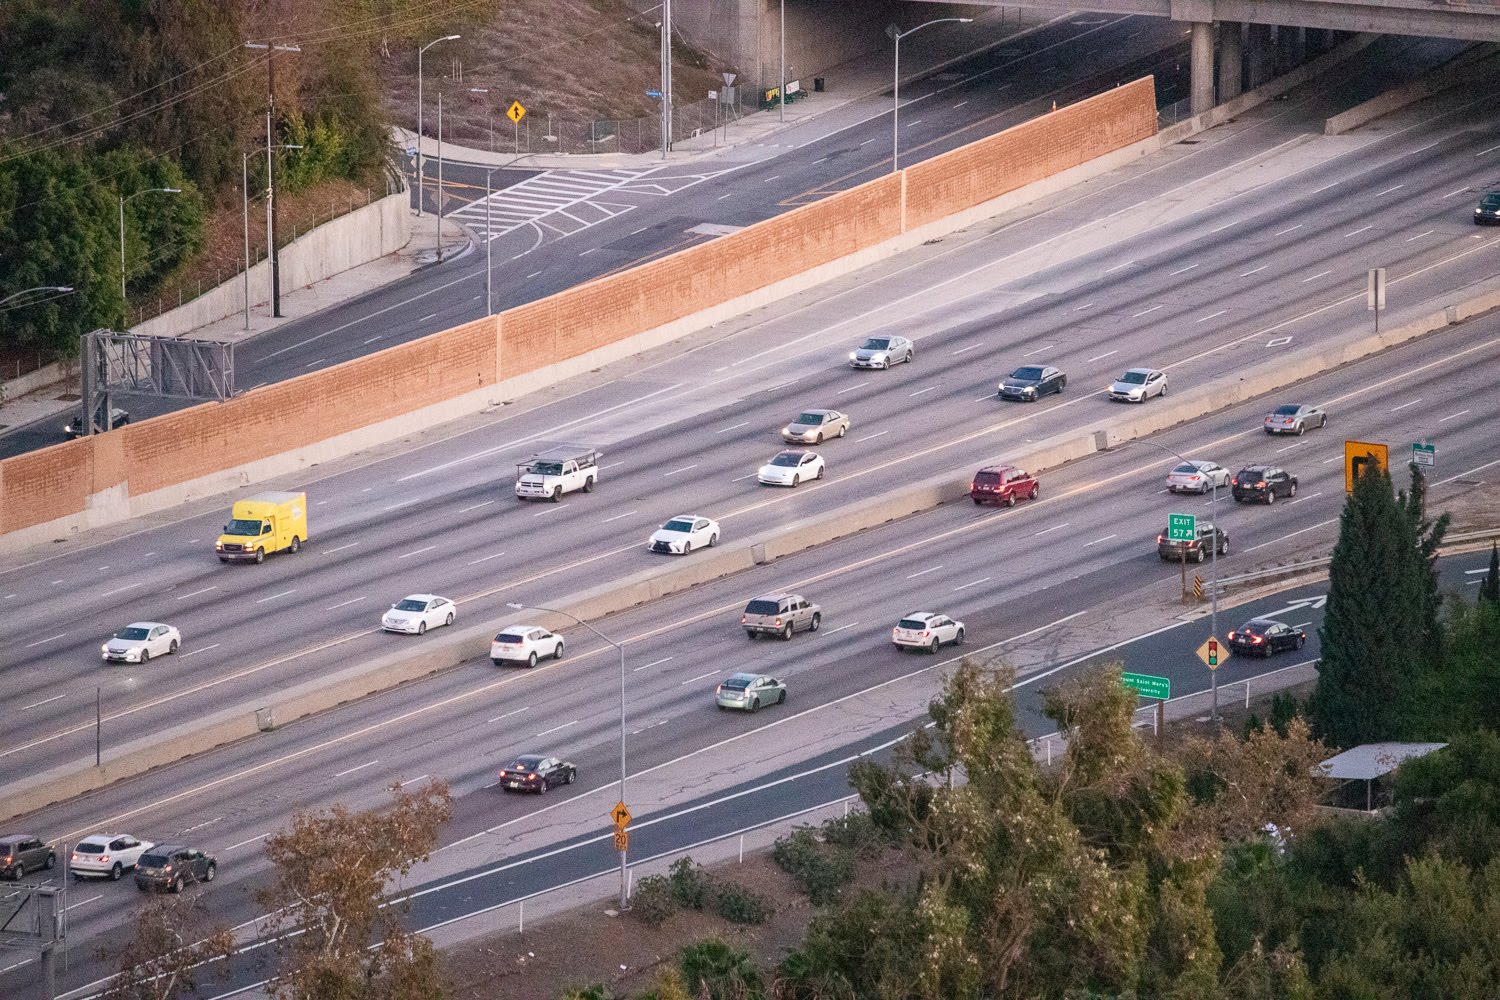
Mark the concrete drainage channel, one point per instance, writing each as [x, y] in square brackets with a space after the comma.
[469, 645]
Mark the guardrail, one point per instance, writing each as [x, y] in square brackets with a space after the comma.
[1321, 562]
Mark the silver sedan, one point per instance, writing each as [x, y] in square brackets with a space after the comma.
[881, 352]
[812, 426]
[1295, 418]
[1197, 476]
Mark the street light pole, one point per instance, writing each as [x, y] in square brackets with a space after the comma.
[123, 200]
[624, 859]
[98, 723]
[897, 34]
[420, 185]
[271, 167]
[781, 86]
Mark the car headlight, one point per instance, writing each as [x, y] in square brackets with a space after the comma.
[853, 355]
[104, 648]
[1031, 390]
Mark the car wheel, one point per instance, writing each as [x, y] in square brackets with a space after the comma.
[569, 777]
[421, 628]
[687, 547]
[1163, 389]
[749, 635]
[495, 661]
[541, 788]
[448, 620]
[958, 640]
[210, 872]
[754, 705]
[887, 365]
[1323, 421]
[50, 863]
[116, 872]
[1301, 430]
[296, 545]
[1010, 499]
[843, 431]
[786, 632]
[557, 652]
[1062, 384]
[1293, 491]
[820, 473]
[1036, 490]
[260, 556]
[817, 623]
[531, 660]
[934, 647]
[1301, 641]
[175, 887]
[796, 480]
[781, 698]
[15, 873]
[556, 494]
[978, 502]
[1198, 557]
[172, 648]
[908, 357]
[713, 539]
[223, 560]
[588, 485]
[1270, 496]
[819, 438]
[145, 655]
[1224, 547]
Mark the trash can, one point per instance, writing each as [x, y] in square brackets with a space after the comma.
[818, 84]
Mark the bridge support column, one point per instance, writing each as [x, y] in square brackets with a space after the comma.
[1289, 48]
[1231, 60]
[1260, 54]
[1201, 70]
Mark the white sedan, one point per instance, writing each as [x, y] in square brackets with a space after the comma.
[107, 854]
[791, 467]
[138, 642]
[1138, 385]
[925, 630]
[414, 615]
[683, 534]
[526, 643]
[1197, 476]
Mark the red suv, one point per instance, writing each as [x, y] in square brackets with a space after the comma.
[1003, 484]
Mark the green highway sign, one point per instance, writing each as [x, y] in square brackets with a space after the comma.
[1147, 686]
[1424, 454]
[1182, 527]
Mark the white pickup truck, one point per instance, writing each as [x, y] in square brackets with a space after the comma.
[549, 474]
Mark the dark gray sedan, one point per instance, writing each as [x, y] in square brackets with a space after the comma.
[1032, 382]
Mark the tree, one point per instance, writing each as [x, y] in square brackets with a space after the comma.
[1380, 631]
[331, 869]
[1489, 589]
[172, 952]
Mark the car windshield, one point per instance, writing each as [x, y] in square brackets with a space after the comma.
[677, 525]
[90, 848]
[989, 478]
[1490, 201]
[1287, 411]
[762, 608]
[546, 468]
[411, 605]
[737, 683]
[154, 860]
[876, 344]
[511, 637]
[241, 526]
[132, 633]
[1188, 469]
[814, 419]
[1253, 628]
[526, 764]
[1133, 378]
[912, 623]
[787, 458]
[1033, 374]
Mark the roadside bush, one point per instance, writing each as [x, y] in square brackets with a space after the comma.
[595, 992]
[821, 869]
[739, 905]
[719, 971]
[858, 832]
[691, 885]
[653, 900]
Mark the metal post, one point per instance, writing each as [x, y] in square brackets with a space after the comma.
[98, 724]
[489, 242]
[666, 77]
[122, 252]
[421, 187]
[518, 137]
[245, 187]
[781, 86]
[271, 184]
[1213, 587]
[440, 179]
[896, 110]
[624, 864]
[270, 216]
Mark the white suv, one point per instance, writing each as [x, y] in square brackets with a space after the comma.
[107, 854]
[525, 643]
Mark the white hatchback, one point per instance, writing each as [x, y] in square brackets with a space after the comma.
[525, 643]
[107, 854]
[139, 641]
[416, 614]
[791, 468]
[925, 630]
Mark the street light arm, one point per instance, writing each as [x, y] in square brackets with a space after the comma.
[62, 289]
[928, 24]
[571, 617]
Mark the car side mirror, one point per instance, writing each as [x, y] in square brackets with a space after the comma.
[226, 527]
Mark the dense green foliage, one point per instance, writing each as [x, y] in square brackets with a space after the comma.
[689, 886]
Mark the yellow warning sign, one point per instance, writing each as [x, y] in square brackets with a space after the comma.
[516, 112]
[621, 815]
[1358, 455]
[622, 840]
[1213, 653]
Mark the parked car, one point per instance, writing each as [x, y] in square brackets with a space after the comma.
[1197, 550]
[1197, 476]
[21, 853]
[1265, 637]
[107, 854]
[814, 426]
[169, 867]
[417, 613]
[749, 692]
[74, 428]
[525, 643]
[683, 534]
[1138, 385]
[926, 630]
[791, 468]
[881, 352]
[1030, 383]
[535, 773]
[138, 642]
[781, 614]
[1263, 483]
[1003, 484]
[1487, 212]
[1295, 418]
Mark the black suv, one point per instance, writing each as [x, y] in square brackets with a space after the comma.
[1487, 212]
[21, 853]
[1264, 483]
[171, 866]
[1196, 550]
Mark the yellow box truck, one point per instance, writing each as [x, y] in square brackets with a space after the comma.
[262, 524]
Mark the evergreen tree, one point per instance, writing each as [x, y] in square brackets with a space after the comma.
[1489, 589]
[1380, 633]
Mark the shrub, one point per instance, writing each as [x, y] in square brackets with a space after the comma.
[739, 905]
[690, 884]
[595, 992]
[857, 831]
[654, 900]
[719, 971]
[820, 869]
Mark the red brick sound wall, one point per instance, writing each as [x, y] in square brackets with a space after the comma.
[182, 446]
[42, 485]
[609, 309]
[1029, 152]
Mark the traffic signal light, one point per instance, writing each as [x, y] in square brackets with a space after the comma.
[1213, 652]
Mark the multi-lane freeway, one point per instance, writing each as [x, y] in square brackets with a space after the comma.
[1206, 261]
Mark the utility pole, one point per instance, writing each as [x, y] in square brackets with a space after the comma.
[666, 77]
[271, 167]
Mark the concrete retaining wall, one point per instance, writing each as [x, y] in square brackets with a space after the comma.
[1478, 66]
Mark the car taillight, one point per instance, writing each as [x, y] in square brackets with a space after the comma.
[1160, 539]
[973, 487]
[1255, 639]
[719, 689]
[1236, 482]
[1260, 485]
[744, 619]
[924, 631]
[531, 777]
[504, 773]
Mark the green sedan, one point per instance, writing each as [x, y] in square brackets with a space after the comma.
[748, 692]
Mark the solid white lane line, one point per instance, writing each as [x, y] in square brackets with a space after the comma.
[741, 479]
[924, 572]
[403, 503]
[1405, 405]
[1055, 527]
[732, 427]
[959, 105]
[771, 178]
[920, 391]
[1315, 277]
[1101, 357]
[628, 513]
[1285, 231]
[44, 701]
[195, 593]
[1144, 312]
[1452, 416]
[840, 628]
[507, 715]
[871, 437]
[416, 552]
[1118, 266]
[199, 826]
[1183, 271]
[1082, 307]
[962, 350]
[611, 465]
[658, 722]
[1256, 271]
[1294, 444]
[50, 638]
[1420, 235]
[361, 767]
[1390, 189]
[467, 509]
[1205, 319]
[911, 124]
[481, 559]
[1450, 194]
[683, 469]
[1098, 540]
[1044, 347]
[273, 597]
[1463, 475]
[1336, 458]
[653, 663]
[972, 583]
[554, 729]
[1490, 150]
[200, 649]
[344, 604]
[1357, 231]
[857, 385]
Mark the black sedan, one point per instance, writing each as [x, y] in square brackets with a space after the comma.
[117, 418]
[1032, 382]
[1263, 483]
[535, 773]
[1264, 637]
